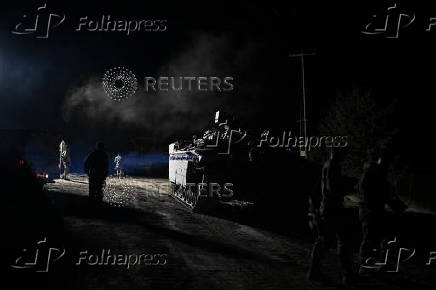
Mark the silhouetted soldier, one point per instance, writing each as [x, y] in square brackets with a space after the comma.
[329, 220]
[375, 192]
[97, 168]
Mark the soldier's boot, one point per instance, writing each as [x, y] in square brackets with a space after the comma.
[315, 273]
[346, 258]
[67, 172]
[365, 252]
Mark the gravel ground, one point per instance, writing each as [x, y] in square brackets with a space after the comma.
[200, 251]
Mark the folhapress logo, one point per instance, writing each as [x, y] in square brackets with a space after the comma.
[389, 24]
[39, 24]
[39, 257]
[105, 23]
[394, 20]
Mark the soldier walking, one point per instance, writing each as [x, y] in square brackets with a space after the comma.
[375, 192]
[118, 165]
[329, 220]
[97, 168]
[64, 159]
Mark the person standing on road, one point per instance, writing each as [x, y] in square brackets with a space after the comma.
[97, 168]
[329, 220]
[118, 165]
[375, 192]
[64, 159]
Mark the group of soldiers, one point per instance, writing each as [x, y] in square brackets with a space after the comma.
[329, 217]
[96, 166]
[327, 211]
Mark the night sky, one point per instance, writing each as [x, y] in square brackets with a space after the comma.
[48, 84]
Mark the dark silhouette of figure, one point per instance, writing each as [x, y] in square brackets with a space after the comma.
[375, 192]
[97, 168]
[328, 220]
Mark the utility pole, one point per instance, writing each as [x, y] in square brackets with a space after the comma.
[304, 120]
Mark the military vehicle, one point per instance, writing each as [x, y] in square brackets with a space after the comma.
[203, 169]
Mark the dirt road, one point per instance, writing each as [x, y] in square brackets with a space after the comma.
[196, 251]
